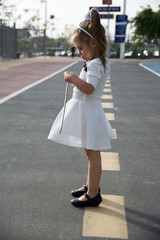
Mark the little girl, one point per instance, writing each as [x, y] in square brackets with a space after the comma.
[85, 124]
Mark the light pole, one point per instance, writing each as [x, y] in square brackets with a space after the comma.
[45, 14]
[122, 45]
[45, 26]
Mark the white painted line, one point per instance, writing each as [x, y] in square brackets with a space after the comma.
[12, 95]
[110, 161]
[141, 64]
[110, 116]
[106, 221]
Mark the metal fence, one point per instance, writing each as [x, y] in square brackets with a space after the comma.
[8, 41]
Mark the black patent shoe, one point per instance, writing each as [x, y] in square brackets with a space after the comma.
[78, 193]
[90, 202]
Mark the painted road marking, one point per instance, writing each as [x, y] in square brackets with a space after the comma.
[108, 90]
[108, 220]
[153, 67]
[115, 133]
[106, 97]
[107, 85]
[107, 105]
[110, 161]
[108, 81]
[12, 95]
[110, 116]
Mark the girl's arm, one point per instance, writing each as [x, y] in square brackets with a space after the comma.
[83, 86]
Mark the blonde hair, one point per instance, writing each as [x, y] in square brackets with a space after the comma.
[95, 28]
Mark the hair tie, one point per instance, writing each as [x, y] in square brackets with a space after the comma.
[87, 16]
[85, 32]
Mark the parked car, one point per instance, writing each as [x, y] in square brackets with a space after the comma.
[58, 53]
[144, 54]
[113, 54]
[64, 53]
[128, 54]
[156, 53]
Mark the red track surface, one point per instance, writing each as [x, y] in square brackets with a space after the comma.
[18, 77]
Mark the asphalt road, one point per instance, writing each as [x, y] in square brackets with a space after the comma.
[37, 175]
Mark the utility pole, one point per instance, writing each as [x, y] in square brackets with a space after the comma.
[122, 45]
[45, 27]
[108, 34]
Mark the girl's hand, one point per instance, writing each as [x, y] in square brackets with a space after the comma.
[68, 77]
[83, 86]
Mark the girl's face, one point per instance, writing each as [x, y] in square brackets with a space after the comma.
[88, 51]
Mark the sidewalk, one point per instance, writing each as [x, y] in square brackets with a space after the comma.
[4, 65]
[17, 74]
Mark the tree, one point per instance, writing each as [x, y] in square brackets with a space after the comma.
[147, 26]
[6, 12]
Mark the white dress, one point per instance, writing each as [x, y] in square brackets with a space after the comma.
[85, 123]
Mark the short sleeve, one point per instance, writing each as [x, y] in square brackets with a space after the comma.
[93, 80]
[94, 72]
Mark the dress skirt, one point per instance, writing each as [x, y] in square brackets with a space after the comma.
[85, 124]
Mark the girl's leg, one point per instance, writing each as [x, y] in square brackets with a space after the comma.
[94, 173]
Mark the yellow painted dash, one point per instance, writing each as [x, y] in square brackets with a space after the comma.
[110, 161]
[115, 133]
[107, 85]
[106, 97]
[107, 105]
[110, 116]
[108, 90]
[108, 220]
